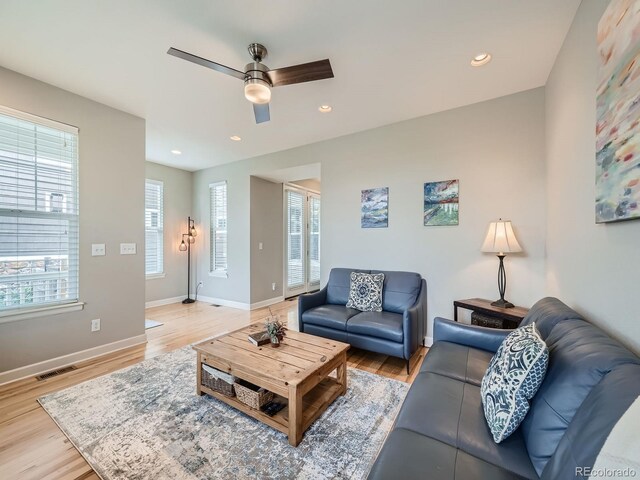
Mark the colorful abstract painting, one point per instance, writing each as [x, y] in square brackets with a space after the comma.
[441, 203]
[618, 113]
[374, 209]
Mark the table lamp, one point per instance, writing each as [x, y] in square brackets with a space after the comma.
[501, 240]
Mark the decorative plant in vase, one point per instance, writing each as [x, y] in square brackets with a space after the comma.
[275, 329]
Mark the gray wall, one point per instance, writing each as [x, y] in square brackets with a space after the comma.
[112, 155]
[496, 149]
[595, 268]
[266, 228]
[177, 190]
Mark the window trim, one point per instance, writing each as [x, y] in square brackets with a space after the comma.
[23, 312]
[161, 274]
[220, 273]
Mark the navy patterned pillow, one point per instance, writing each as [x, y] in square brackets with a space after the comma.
[514, 375]
[365, 291]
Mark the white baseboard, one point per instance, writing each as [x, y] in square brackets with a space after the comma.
[225, 303]
[69, 359]
[268, 302]
[164, 301]
[428, 341]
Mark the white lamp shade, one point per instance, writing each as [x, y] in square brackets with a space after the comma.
[500, 238]
[257, 91]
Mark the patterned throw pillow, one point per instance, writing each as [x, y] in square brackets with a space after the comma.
[514, 375]
[365, 291]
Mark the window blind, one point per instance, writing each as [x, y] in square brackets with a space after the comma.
[314, 240]
[154, 227]
[295, 238]
[218, 243]
[39, 228]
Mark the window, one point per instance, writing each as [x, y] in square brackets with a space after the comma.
[38, 211]
[153, 227]
[218, 244]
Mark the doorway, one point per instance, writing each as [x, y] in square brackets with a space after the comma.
[302, 240]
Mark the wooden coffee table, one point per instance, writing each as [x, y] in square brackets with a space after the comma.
[297, 372]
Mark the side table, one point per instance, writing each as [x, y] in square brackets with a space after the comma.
[511, 317]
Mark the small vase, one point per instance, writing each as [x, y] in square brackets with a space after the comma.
[275, 342]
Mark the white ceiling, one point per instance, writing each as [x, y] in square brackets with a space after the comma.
[392, 61]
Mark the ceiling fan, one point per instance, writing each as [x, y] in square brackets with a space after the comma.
[259, 79]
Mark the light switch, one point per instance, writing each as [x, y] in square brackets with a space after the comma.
[127, 249]
[260, 246]
[98, 250]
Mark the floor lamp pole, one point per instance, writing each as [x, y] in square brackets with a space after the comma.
[190, 239]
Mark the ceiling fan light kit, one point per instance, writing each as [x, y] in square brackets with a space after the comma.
[259, 79]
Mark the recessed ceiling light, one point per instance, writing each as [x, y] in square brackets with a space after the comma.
[481, 59]
[235, 138]
[176, 152]
[325, 108]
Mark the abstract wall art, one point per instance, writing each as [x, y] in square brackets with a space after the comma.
[618, 113]
[374, 208]
[441, 203]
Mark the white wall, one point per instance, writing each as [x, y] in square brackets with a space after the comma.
[594, 268]
[177, 190]
[496, 149]
[111, 156]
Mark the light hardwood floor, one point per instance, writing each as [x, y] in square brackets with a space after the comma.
[33, 447]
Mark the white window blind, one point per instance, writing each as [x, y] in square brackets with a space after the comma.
[218, 244]
[38, 211]
[314, 240]
[154, 226]
[295, 238]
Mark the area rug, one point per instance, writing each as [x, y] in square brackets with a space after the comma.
[146, 422]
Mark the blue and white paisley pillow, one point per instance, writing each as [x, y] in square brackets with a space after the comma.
[514, 375]
[365, 291]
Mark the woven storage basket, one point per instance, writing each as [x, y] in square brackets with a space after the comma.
[217, 384]
[251, 394]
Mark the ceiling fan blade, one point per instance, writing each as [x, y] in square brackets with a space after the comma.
[305, 72]
[261, 111]
[206, 63]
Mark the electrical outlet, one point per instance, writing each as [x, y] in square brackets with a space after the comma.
[95, 325]
[273, 286]
[98, 249]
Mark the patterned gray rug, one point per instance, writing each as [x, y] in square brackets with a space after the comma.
[145, 422]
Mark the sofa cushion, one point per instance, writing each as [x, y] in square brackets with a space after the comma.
[338, 285]
[450, 411]
[580, 355]
[330, 316]
[400, 290]
[593, 422]
[377, 324]
[547, 313]
[457, 361]
[409, 455]
[512, 379]
[365, 291]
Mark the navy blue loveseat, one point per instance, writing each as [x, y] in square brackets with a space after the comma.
[397, 331]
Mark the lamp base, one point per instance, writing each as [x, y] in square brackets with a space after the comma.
[188, 300]
[502, 304]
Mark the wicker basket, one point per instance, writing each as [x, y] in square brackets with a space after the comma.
[251, 394]
[217, 384]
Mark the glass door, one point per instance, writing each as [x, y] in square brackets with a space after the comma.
[302, 241]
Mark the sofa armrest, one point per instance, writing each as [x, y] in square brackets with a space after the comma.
[470, 335]
[413, 323]
[309, 301]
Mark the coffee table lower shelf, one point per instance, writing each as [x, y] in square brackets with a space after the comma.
[314, 403]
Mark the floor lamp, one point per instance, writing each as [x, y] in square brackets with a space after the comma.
[186, 246]
[501, 240]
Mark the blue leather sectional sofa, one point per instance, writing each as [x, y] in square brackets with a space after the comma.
[441, 433]
[397, 331]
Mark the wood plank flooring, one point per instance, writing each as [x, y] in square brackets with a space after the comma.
[33, 447]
